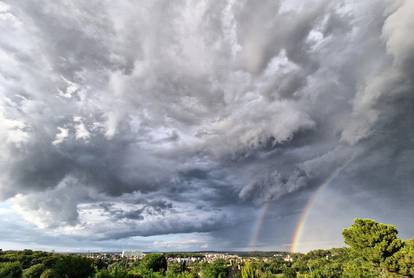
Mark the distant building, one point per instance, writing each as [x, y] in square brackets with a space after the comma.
[132, 254]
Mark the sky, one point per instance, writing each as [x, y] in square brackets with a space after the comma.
[203, 125]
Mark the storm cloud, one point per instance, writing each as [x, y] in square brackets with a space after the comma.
[122, 119]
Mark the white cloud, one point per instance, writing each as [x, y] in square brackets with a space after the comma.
[61, 136]
[81, 132]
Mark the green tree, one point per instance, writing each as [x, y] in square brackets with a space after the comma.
[374, 242]
[154, 263]
[34, 271]
[216, 269]
[119, 271]
[11, 270]
[277, 265]
[360, 268]
[289, 272]
[402, 261]
[99, 264]
[50, 260]
[74, 267]
[174, 269]
[299, 264]
[248, 271]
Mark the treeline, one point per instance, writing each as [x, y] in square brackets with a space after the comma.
[373, 250]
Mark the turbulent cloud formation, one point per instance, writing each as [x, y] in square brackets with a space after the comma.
[123, 119]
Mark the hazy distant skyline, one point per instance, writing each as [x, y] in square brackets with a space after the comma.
[203, 125]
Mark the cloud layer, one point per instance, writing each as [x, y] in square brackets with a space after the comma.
[127, 119]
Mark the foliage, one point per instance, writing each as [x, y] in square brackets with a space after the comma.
[402, 261]
[216, 269]
[174, 270]
[74, 266]
[104, 273]
[373, 241]
[248, 271]
[50, 273]
[118, 271]
[34, 271]
[277, 265]
[154, 263]
[10, 270]
[360, 268]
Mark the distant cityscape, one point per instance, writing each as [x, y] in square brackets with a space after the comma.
[189, 257]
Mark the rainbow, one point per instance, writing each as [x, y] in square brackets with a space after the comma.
[258, 226]
[300, 226]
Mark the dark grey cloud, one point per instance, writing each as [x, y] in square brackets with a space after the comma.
[126, 119]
